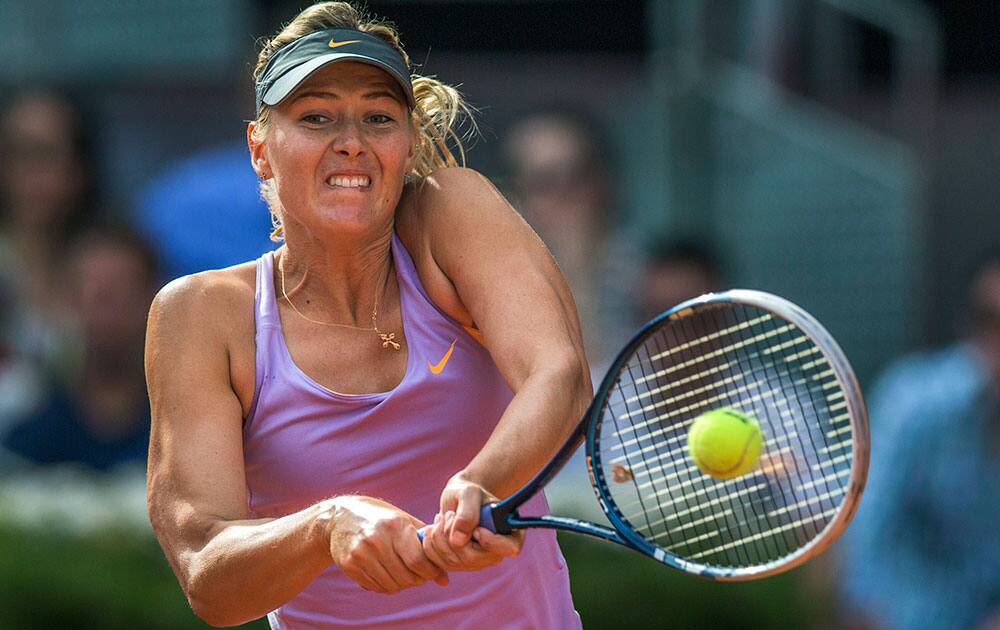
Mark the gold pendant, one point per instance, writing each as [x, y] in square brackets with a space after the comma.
[387, 340]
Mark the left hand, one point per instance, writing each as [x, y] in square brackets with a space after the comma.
[465, 498]
[454, 542]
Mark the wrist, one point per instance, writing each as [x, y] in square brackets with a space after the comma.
[324, 525]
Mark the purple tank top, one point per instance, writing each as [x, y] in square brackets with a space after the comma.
[304, 443]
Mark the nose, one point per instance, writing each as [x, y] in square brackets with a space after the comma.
[349, 140]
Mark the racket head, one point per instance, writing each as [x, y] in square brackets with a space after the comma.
[769, 359]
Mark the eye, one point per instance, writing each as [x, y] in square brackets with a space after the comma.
[380, 119]
[315, 119]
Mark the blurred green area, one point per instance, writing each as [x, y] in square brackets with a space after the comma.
[617, 588]
[108, 579]
[113, 579]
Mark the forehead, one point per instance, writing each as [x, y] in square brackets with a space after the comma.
[345, 77]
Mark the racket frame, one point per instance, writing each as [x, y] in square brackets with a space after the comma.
[504, 517]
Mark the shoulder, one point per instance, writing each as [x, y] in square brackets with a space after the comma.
[458, 208]
[447, 221]
[453, 194]
[456, 190]
[209, 301]
[455, 179]
[204, 321]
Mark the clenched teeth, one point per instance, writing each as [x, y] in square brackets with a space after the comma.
[355, 181]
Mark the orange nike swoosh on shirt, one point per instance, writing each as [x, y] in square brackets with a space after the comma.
[436, 369]
[335, 44]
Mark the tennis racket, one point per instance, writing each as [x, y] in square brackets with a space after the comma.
[745, 350]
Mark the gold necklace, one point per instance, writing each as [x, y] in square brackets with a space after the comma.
[387, 338]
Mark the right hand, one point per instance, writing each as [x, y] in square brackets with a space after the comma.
[376, 545]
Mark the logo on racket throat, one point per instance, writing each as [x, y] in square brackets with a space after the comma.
[436, 368]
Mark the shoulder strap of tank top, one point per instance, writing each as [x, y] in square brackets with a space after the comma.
[266, 324]
[265, 300]
[410, 281]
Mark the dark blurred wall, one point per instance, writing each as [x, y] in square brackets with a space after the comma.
[177, 80]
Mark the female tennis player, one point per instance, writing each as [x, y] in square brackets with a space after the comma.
[410, 352]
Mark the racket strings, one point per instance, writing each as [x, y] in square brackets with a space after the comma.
[653, 503]
[815, 406]
[791, 534]
[733, 525]
[804, 528]
[706, 527]
[763, 366]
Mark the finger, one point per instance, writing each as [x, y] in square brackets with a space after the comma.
[411, 552]
[401, 574]
[449, 501]
[362, 580]
[428, 546]
[466, 515]
[372, 565]
[416, 522]
[473, 557]
[506, 546]
[437, 560]
[442, 543]
[439, 540]
[389, 579]
[354, 568]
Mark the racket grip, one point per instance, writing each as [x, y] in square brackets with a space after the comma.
[485, 520]
[486, 517]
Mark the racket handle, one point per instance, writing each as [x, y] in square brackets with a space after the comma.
[486, 517]
[485, 520]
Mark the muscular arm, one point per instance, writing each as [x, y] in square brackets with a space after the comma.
[515, 293]
[233, 569]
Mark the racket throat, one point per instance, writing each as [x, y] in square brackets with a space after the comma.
[496, 518]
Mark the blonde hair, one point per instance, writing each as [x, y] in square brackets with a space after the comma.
[436, 116]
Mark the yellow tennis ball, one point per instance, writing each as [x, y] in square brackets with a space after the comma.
[724, 443]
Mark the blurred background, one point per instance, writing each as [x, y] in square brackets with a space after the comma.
[841, 153]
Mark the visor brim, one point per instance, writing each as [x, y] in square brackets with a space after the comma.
[287, 83]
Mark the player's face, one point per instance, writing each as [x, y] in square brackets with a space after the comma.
[339, 148]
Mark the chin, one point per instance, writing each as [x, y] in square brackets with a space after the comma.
[343, 221]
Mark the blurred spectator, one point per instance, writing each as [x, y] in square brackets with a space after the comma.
[924, 548]
[101, 419]
[674, 271]
[205, 212]
[562, 182]
[20, 378]
[46, 195]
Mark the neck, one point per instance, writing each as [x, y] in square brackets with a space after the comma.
[336, 280]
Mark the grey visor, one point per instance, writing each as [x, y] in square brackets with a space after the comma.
[292, 64]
